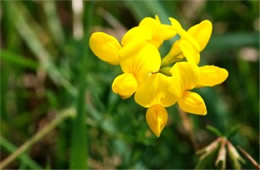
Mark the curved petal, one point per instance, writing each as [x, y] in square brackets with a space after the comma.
[156, 118]
[105, 47]
[212, 75]
[125, 85]
[131, 49]
[189, 52]
[186, 76]
[192, 103]
[160, 32]
[155, 90]
[146, 61]
[184, 34]
[202, 33]
[137, 34]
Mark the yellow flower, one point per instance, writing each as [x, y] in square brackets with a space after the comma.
[139, 47]
[155, 95]
[156, 87]
[187, 77]
[191, 43]
[136, 65]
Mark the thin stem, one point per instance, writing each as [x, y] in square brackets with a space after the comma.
[250, 158]
[60, 118]
[24, 158]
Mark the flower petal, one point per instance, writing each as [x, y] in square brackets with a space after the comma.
[160, 32]
[192, 103]
[125, 85]
[137, 34]
[186, 76]
[212, 75]
[189, 52]
[105, 47]
[184, 34]
[141, 63]
[202, 33]
[155, 90]
[131, 49]
[156, 118]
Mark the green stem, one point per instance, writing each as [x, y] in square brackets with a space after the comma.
[79, 151]
[60, 118]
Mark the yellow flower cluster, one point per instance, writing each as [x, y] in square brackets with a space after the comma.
[159, 83]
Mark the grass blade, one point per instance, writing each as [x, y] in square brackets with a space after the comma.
[79, 153]
[17, 59]
[234, 40]
[37, 48]
[54, 22]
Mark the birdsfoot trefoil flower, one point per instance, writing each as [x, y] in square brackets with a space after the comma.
[160, 83]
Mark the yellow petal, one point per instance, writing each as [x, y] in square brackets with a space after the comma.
[157, 18]
[137, 34]
[155, 90]
[189, 52]
[125, 85]
[147, 60]
[212, 75]
[131, 49]
[184, 34]
[173, 55]
[176, 24]
[201, 32]
[105, 47]
[160, 32]
[156, 118]
[186, 75]
[192, 103]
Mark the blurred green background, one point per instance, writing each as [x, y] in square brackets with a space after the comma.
[46, 67]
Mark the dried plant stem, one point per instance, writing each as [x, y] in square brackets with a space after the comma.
[222, 154]
[60, 118]
[249, 157]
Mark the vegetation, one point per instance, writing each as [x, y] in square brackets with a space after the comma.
[58, 106]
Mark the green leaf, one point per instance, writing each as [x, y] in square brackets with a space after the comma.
[214, 130]
[18, 59]
[232, 131]
[233, 40]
